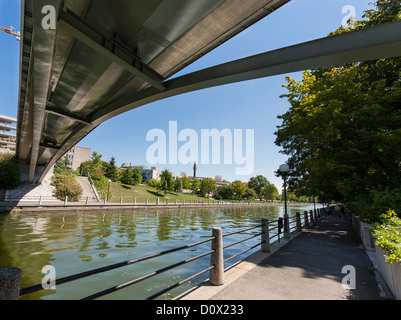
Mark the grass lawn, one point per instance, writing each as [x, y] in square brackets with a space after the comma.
[141, 193]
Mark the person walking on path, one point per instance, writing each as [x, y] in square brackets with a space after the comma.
[328, 211]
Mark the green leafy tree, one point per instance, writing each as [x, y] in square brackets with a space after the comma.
[207, 186]
[195, 185]
[239, 189]
[257, 183]
[178, 186]
[136, 176]
[166, 181]
[185, 182]
[127, 177]
[342, 132]
[225, 192]
[111, 170]
[270, 192]
[250, 194]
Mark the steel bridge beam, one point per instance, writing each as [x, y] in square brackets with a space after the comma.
[109, 48]
[383, 41]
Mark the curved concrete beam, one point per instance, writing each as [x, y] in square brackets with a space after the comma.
[378, 42]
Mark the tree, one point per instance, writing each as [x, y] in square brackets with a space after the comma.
[207, 186]
[127, 177]
[270, 192]
[250, 194]
[257, 183]
[342, 132]
[178, 186]
[195, 185]
[166, 181]
[185, 182]
[136, 177]
[225, 192]
[111, 170]
[239, 189]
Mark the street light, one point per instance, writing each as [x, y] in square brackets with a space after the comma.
[285, 169]
[108, 191]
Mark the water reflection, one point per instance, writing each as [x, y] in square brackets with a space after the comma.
[74, 242]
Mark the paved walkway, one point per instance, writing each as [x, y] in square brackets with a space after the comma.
[310, 267]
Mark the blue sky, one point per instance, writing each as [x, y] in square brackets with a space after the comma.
[246, 105]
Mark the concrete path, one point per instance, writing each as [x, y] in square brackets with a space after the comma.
[309, 267]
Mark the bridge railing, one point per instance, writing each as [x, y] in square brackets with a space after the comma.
[269, 231]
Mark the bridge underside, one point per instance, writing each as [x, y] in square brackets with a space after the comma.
[107, 57]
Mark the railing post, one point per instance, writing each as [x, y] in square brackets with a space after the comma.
[87, 200]
[306, 218]
[10, 283]
[66, 200]
[157, 201]
[286, 226]
[216, 277]
[311, 217]
[121, 201]
[265, 236]
[298, 220]
[315, 214]
[40, 200]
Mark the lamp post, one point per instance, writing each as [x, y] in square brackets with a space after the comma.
[285, 169]
[108, 191]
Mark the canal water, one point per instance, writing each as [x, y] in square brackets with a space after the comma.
[74, 242]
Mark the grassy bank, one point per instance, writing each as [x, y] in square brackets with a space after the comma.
[141, 193]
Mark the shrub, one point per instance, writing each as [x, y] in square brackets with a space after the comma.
[102, 187]
[9, 171]
[372, 206]
[67, 185]
[388, 236]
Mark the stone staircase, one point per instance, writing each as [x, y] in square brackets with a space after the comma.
[87, 189]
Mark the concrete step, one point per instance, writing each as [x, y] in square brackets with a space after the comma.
[87, 190]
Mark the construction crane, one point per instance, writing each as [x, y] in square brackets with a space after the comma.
[11, 31]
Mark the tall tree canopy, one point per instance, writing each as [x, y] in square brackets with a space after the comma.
[342, 132]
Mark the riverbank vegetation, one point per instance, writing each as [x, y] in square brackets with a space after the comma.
[9, 171]
[67, 185]
[342, 132]
[113, 183]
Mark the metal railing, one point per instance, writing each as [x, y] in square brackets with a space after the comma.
[216, 268]
[21, 200]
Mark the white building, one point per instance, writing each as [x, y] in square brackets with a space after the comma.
[8, 138]
[76, 156]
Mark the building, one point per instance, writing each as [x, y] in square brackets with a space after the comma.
[147, 174]
[8, 138]
[76, 156]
